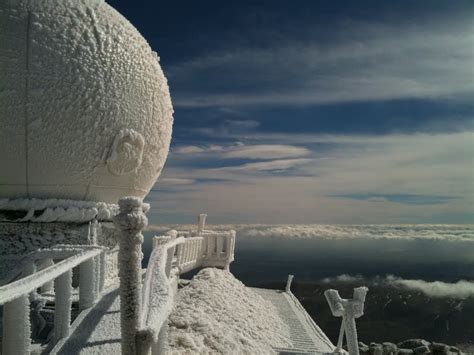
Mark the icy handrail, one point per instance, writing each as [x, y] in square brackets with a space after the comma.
[219, 248]
[157, 291]
[57, 252]
[15, 296]
[30, 283]
[189, 255]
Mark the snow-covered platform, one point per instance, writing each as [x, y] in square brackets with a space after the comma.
[306, 336]
[98, 330]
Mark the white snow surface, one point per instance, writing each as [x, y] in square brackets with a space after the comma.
[216, 313]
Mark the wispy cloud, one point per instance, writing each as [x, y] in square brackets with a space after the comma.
[241, 151]
[438, 289]
[343, 278]
[193, 149]
[272, 165]
[381, 62]
[267, 151]
[189, 149]
[410, 199]
[460, 290]
[176, 181]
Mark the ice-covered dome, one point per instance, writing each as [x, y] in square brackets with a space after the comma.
[85, 110]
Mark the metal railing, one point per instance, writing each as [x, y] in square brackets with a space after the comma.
[189, 254]
[40, 272]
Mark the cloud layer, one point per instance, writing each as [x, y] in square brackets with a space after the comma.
[448, 233]
[459, 290]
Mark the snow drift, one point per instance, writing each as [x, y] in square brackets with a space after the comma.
[216, 313]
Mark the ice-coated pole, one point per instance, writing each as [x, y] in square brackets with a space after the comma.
[349, 310]
[130, 221]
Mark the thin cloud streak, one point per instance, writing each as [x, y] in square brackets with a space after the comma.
[241, 151]
[383, 63]
[461, 289]
[283, 164]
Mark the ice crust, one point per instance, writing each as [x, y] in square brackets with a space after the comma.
[216, 313]
[85, 108]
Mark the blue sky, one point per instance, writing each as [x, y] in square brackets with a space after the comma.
[315, 111]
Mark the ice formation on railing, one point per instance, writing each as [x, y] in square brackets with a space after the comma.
[15, 296]
[130, 222]
[159, 288]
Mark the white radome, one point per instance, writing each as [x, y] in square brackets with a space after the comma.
[85, 110]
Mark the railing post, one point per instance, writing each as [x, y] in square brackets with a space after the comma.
[179, 254]
[211, 244]
[187, 251]
[201, 223]
[169, 261]
[42, 264]
[62, 312]
[219, 245]
[196, 250]
[87, 285]
[288, 283]
[97, 277]
[191, 251]
[130, 221]
[16, 327]
[102, 271]
[16, 322]
[232, 245]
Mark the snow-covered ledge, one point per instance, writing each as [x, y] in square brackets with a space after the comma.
[55, 210]
[29, 224]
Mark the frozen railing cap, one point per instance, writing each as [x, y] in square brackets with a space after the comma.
[349, 310]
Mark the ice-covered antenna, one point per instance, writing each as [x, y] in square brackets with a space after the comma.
[201, 222]
[349, 310]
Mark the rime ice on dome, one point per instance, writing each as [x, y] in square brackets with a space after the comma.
[85, 110]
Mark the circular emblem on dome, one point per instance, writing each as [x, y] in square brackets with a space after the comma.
[126, 153]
